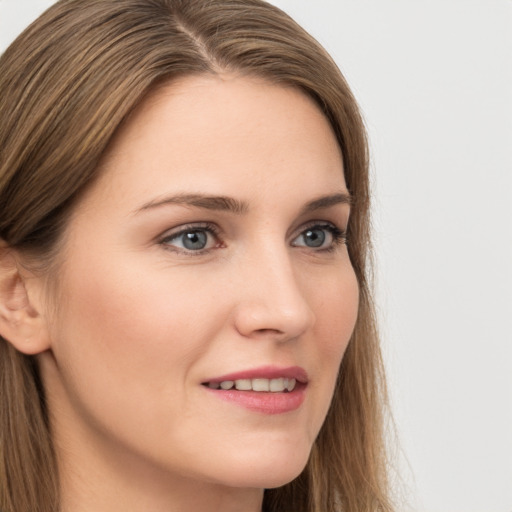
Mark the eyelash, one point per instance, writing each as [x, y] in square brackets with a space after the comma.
[339, 237]
[207, 227]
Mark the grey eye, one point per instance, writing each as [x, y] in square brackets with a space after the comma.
[314, 237]
[191, 239]
[320, 237]
[194, 240]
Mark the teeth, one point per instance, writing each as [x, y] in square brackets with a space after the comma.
[291, 384]
[277, 385]
[243, 384]
[260, 385]
[273, 385]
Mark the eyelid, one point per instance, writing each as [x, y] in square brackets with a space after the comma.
[173, 233]
[321, 223]
[339, 235]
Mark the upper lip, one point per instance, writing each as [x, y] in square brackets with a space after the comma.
[265, 372]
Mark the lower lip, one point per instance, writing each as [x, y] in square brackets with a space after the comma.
[264, 402]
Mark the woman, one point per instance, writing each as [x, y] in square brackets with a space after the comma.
[185, 311]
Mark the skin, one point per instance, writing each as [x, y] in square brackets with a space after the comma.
[142, 322]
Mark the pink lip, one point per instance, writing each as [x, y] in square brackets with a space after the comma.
[264, 402]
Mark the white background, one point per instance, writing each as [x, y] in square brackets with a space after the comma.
[434, 80]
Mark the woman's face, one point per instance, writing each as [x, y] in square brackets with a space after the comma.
[211, 250]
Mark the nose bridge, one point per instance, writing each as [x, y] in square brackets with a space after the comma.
[273, 301]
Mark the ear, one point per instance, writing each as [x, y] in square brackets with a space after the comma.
[21, 321]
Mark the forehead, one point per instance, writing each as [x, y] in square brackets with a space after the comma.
[222, 133]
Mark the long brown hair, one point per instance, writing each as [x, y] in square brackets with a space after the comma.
[66, 85]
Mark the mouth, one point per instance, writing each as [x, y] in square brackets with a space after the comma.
[279, 385]
[268, 390]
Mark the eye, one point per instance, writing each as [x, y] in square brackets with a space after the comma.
[320, 237]
[192, 239]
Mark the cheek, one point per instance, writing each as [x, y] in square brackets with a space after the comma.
[336, 307]
[127, 318]
[116, 332]
[126, 341]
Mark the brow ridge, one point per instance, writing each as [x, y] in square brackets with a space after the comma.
[219, 203]
[327, 201]
[224, 203]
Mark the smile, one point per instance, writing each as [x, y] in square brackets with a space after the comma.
[279, 385]
[267, 389]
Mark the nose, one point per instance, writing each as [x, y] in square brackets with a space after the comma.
[272, 303]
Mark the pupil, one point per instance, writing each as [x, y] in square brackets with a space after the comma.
[194, 240]
[314, 237]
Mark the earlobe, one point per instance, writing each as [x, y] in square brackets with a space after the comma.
[21, 323]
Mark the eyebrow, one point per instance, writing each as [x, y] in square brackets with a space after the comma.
[327, 202]
[229, 204]
[218, 203]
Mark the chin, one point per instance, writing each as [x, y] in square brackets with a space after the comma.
[266, 471]
[270, 479]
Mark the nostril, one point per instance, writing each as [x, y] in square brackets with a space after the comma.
[266, 332]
